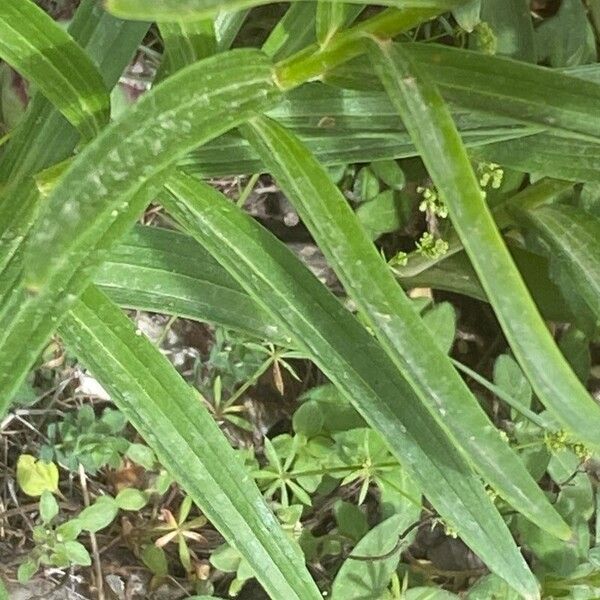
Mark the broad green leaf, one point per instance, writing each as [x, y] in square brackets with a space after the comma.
[227, 26]
[383, 213]
[35, 476]
[467, 15]
[575, 346]
[511, 23]
[110, 183]
[390, 314]
[171, 417]
[431, 126]
[567, 38]
[174, 10]
[429, 593]
[323, 329]
[491, 586]
[441, 322]
[509, 377]
[359, 579]
[98, 515]
[571, 239]
[36, 46]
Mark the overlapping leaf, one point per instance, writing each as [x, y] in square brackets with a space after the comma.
[321, 327]
[391, 316]
[172, 418]
[174, 10]
[110, 183]
[434, 133]
[32, 43]
[572, 239]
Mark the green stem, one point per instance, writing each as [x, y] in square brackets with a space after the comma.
[528, 414]
[250, 382]
[313, 62]
[247, 190]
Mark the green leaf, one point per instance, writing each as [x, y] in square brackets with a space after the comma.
[185, 43]
[333, 16]
[441, 322]
[142, 455]
[383, 214]
[77, 554]
[567, 38]
[435, 135]
[131, 499]
[571, 239]
[110, 183]
[575, 347]
[27, 570]
[329, 335]
[70, 530]
[394, 321]
[359, 579]
[36, 46]
[170, 416]
[491, 587]
[509, 377]
[48, 507]
[429, 593]
[511, 23]
[351, 521]
[35, 476]
[467, 15]
[173, 10]
[156, 560]
[294, 31]
[99, 515]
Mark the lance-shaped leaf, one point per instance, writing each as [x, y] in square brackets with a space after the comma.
[394, 321]
[333, 16]
[174, 10]
[428, 120]
[171, 417]
[572, 240]
[169, 272]
[185, 43]
[110, 183]
[45, 137]
[323, 329]
[35, 45]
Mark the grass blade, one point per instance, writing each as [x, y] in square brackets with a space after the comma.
[165, 271]
[332, 17]
[32, 43]
[110, 183]
[174, 10]
[430, 124]
[572, 239]
[391, 315]
[185, 43]
[321, 327]
[171, 417]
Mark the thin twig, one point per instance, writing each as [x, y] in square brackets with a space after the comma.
[93, 541]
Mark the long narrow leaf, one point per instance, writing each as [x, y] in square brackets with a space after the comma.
[391, 315]
[430, 124]
[573, 243]
[174, 10]
[171, 417]
[32, 43]
[110, 183]
[165, 271]
[326, 332]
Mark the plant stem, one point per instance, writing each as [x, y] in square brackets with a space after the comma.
[313, 62]
[247, 190]
[528, 414]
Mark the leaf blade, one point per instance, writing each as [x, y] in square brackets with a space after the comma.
[329, 335]
[431, 126]
[171, 417]
[32, 43]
